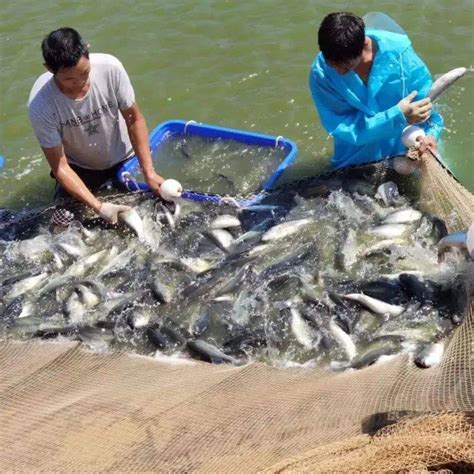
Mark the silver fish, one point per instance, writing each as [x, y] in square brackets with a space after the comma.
[388, 193]
[84, 264]
[222, 238]
[88, 297]
[162, 292]
[134, 221]
[303, 333]
[430, 355]
[389, 230]
[118, 262]
[139, 319]
[444, 81]
[74, 309]
[403, 216]
[377, 306]
[344, 340]
[71, 250]
[167, 213]
[224, 221]
[285, 229]
[209, 352]
[374, 352]
[54, 283]
[25, 285]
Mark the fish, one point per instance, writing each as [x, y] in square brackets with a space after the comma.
[25, 285]
[208, 352]
[305, 335]
[14, 310]
[444, 81]
[115, 305]
[388, 193]
[89, 298]
[89, 235]
[175, 336]
[423, 291]
[346, 249]
[55, 283]
[429, 355]
[139, 319]
[377, 306]
[403, 216]
[145, 296]
[135, 222]
[166, 213]
[430, 230]
[389, 230]
[200, 325]
[374, 351]
[224, 221]
[15, 277]
[81, 266]
[184, 148]
[281, 231]
[234, 283]
[97, 339]
[231, 188]
[220, 237]
[79, 302]
[157, 338]
[162, 292]
[344, 340]
[74, 309]
[117, 263]
[385, 290]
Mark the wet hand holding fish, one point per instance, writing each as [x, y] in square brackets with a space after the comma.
[110, 212]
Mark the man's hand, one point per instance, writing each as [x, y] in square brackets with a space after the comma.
[154, 180]
[109, 212]
[415, 112]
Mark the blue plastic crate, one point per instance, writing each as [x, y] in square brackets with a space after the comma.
[180, 127]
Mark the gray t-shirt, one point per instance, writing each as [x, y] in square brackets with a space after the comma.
[92, 129]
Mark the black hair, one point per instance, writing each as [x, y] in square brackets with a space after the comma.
[63, 48]
[341, 37]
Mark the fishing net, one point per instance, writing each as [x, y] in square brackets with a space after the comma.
[65, 408]
[446, 197]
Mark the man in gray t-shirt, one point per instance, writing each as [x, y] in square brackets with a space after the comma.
[84, 114]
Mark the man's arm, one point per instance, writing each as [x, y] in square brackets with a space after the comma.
[138, 132]
[74, 185]
[68, 178]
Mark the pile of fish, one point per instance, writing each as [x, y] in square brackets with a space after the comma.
[336, 271]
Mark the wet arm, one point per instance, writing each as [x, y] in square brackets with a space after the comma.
[138, 133]
[69, 179]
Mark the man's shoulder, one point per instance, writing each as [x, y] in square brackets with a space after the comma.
[105, 61]
[40, 91]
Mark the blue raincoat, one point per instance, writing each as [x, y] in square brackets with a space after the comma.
[365, 120]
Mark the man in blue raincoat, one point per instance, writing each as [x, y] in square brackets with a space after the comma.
[368, 85]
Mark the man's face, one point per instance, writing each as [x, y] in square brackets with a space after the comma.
[74, 80]
[346, 66]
